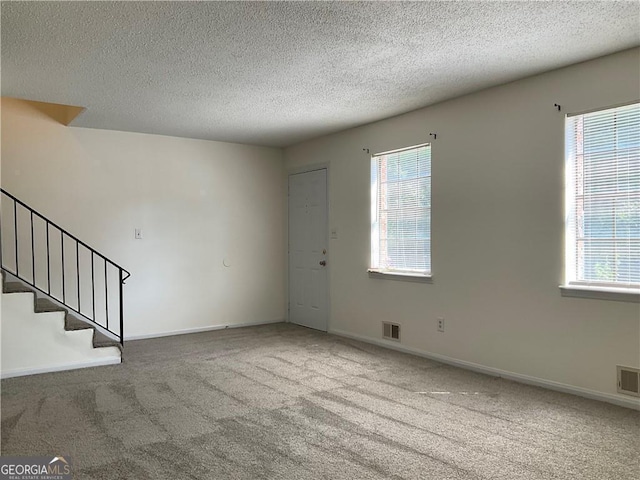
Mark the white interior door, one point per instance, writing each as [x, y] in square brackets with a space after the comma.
[308, 249]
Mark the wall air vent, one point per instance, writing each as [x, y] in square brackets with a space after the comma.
[391, 331]
[629, 380]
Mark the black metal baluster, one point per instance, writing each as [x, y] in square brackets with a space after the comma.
[15, 232]
[62, 250]
[1, 242]
[33, 254]
[121, 310]
[106, 294]
[93, 289]
[48, 262]
[78, 272]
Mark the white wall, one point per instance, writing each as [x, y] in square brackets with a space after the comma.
[497, 231]
[197, 202]
[48, 347]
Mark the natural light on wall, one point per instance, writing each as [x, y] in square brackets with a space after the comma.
[603, 198]
[401, 211]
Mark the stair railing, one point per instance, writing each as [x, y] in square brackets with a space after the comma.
[24, 231]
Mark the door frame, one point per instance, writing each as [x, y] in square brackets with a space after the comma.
[295, 171]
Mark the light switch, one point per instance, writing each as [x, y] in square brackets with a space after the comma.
[138, 234]
[334, 233]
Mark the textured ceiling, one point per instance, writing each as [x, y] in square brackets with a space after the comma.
[277, 73]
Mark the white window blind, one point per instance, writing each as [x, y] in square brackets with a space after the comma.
[401, 210]
[603, 198]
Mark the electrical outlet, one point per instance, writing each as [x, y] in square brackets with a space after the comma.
[441, 324]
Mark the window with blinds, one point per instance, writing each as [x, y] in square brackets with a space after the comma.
[603, 198]
[401, 211]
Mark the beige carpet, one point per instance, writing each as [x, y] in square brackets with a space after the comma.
[286, 402]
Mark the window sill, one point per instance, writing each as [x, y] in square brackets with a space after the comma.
[403, 277]
[601, 293]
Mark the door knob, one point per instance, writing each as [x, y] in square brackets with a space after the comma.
[323, 262]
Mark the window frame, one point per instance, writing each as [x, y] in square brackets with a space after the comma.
[392, 274]
[572, 287]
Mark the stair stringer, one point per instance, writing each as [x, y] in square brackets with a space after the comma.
[38, 342]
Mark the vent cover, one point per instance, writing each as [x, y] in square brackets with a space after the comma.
[629, 381]
[391, 331]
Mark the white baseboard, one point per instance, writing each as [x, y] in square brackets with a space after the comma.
[20, 372]
[198, 330]
[633, 403]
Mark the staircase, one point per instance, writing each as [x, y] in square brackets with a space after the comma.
[59, 296]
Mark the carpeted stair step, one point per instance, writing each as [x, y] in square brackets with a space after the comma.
[72, 323]
[15, 287]
[44, 305]
[101, 340]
